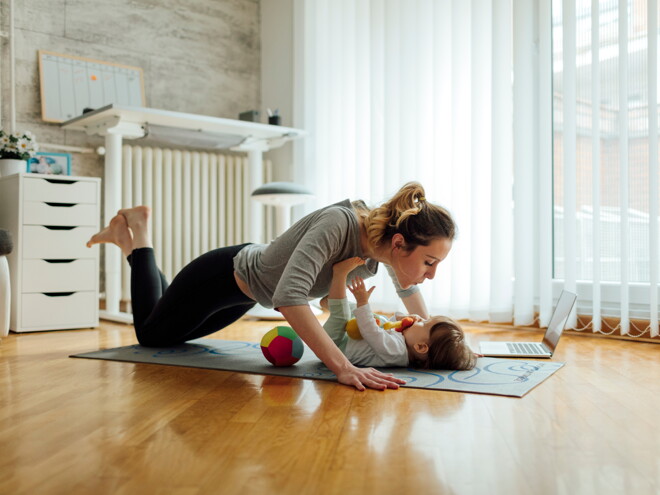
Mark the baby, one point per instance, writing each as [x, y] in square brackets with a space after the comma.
[436, 343]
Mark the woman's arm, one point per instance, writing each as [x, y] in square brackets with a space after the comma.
[415, 305]
[305, 324]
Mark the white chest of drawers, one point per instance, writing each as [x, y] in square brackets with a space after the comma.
[54, 276]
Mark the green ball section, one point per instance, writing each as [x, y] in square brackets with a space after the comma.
[287, 332]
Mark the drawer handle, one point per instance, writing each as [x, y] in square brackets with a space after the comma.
[58, 294]
[60, 261]
[58, 227]
[53, 181]
[61, 205]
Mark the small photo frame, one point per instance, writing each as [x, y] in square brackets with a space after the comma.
[50, 163]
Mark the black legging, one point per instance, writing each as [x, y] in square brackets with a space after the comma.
[202, 298]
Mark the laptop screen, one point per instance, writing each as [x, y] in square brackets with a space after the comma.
[558, 320]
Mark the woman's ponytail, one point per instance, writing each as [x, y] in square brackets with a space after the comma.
[409, 214]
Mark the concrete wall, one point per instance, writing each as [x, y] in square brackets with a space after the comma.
[277, 76]
[198, 56]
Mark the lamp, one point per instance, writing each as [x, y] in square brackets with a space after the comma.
[282, 196]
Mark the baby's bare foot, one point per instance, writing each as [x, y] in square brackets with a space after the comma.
[116, 232]
[347, 266]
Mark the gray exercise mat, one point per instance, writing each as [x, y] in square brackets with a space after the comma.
[510, 377]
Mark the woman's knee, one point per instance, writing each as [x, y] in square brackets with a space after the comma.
[149, 341]
[148, 338]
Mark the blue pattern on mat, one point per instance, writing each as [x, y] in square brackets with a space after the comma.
[511, 377]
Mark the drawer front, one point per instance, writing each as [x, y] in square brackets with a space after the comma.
[54, 191]
[40, 213]
[44, 243]
[44, 276]
[41, 311]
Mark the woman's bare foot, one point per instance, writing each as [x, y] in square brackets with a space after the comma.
[138, 220]
[116, 233]
[136, 215]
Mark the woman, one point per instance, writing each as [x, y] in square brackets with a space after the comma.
[408, 234]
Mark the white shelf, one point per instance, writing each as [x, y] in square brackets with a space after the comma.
[131, 122]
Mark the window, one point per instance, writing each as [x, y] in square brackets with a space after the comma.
[609, 119]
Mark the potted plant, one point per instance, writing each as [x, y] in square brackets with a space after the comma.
[15, 149]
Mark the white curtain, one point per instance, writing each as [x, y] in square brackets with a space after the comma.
[458, 95]
[397, 90]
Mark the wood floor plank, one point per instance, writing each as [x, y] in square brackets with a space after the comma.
[87, 426]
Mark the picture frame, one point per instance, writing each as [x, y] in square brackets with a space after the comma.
[50, 163]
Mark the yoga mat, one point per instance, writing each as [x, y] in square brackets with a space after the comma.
[510, 377]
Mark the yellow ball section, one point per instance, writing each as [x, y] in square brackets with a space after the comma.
[352, 329]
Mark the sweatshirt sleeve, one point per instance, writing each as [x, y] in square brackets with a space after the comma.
[320, 244]
[400, 292]
[385, 344]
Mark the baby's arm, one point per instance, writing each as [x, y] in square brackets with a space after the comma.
[359, 290]
[383, 343]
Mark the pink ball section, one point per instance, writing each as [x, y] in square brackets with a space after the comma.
[281, 346]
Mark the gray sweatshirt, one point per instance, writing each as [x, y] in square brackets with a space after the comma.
[297, 266]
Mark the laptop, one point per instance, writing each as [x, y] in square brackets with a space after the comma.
[544, 349]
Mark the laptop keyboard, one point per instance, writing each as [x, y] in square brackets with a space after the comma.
[525, 348]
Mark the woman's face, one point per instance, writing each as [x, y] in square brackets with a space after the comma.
[413, 267]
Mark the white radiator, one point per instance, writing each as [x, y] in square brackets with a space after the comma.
[199, 202]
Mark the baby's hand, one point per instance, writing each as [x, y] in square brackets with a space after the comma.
[360, 292]
[345, 267]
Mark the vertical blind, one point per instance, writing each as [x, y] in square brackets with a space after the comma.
[605, 116]
[392, 91]
[489, 104]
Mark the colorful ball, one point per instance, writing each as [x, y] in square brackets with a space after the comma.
[282, 346]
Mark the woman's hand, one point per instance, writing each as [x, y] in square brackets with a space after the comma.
[362, 378]
[305, 324]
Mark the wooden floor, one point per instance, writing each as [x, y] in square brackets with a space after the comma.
[91, 427]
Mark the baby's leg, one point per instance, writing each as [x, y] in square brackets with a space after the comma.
[335, 325]
[340, 272]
